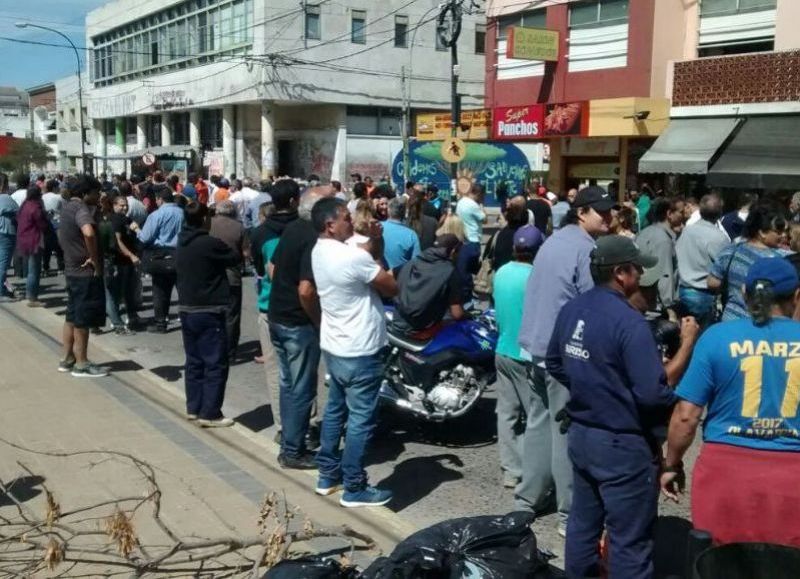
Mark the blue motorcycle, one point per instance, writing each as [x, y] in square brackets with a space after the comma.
[443, 377]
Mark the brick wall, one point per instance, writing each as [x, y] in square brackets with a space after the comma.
[747, 78]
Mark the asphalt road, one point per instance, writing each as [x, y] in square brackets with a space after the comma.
[436, 471]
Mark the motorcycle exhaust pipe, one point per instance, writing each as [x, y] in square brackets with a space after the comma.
[388, 393]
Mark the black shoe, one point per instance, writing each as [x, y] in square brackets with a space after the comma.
[303, 462]
[157, 329]
[312, 437]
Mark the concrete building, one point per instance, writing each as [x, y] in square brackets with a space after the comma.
[15, 118]
[68, 123]
[611, 69]
[42, 103]
[735, 95]
[257, 87]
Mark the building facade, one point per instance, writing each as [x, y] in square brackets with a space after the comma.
[68, 122]
[735, 112]
[15, 118]
[42, 103]
[261, 88]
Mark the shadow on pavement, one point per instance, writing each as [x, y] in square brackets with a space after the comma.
[22, 488]
[122, 366]
[168, 373]
[416, 478]
[257, 419]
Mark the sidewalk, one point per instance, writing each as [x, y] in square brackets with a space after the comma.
[213, 482]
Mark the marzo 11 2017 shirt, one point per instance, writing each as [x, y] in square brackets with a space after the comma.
[749, 377]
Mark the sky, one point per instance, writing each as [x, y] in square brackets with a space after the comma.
[27, 65]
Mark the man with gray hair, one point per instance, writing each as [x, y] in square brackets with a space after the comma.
[241, 200]
[226, 227]
[400, 242]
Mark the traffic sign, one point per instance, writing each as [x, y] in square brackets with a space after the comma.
[148, 159]
[454, 150]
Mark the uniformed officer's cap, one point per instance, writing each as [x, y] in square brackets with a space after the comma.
[595, 197]
[616, 250]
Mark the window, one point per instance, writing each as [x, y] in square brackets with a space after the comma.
[110, 130]
[130, 130]
[358, 34]
[313, 24]
[598, 12]
[211, 128]
[154, 131]
[529, 19]
[480, 39]
[373, 121]
[719, 7]
[401, 31]
[179, 127]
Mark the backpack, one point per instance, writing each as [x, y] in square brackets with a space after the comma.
[424, 284]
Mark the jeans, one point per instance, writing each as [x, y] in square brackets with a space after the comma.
[352, 399]
[34, 272]
[545, 464]
[298, 353]
[513, 402]
[468, 263]
[233, 325]
[616, 487]
[206, 344]
[7, 244]
[700, 304]
[163, 284]
[120, 287]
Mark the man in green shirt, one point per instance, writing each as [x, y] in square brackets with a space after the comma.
[513, 385]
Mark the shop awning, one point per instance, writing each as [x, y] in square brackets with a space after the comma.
[687, 146]
[157, 151]
[764, 154]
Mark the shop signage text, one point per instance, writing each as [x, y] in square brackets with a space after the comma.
[532, 43]
[475, 126]
[518, 123]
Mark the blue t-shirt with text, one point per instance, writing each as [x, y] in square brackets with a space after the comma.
[749, 377]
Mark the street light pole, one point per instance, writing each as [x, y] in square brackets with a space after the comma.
[80, 85]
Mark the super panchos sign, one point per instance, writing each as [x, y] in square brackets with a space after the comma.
[537, 121]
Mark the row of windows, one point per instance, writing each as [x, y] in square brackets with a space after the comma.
[210, 129]
[173, 38]
[719, 7]
[358, 29]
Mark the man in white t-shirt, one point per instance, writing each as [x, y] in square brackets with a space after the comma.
[350, 284]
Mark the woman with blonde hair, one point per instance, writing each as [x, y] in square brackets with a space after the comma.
[452, 224]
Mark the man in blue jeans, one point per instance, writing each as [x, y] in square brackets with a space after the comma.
[352, 336]
[294, 319]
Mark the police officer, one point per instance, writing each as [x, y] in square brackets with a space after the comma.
[603, 351]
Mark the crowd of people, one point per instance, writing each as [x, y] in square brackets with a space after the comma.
[612, 318]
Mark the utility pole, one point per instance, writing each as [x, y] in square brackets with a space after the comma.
[405, 128]
[449, 29]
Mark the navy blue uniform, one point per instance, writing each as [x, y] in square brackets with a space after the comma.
[603, 351]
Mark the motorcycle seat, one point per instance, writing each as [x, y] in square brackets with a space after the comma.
[407, 342]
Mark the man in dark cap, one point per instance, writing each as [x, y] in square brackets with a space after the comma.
[603, 352]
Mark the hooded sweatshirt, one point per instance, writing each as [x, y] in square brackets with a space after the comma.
[263, 241]
[200, 263]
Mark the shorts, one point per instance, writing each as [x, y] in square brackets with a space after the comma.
[86, 302]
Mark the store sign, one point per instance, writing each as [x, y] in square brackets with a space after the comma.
[518, 123]
[567, 119]
[532, 44]
[475, 126]
[591, 147]
[593, 171]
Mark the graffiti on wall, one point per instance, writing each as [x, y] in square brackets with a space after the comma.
[314, 156]
[171, 99]
[486, 163]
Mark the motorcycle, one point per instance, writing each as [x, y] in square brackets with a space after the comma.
[443, 377]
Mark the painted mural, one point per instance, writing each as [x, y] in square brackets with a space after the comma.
[487, 163]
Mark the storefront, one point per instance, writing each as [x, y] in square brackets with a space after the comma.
[599, 140]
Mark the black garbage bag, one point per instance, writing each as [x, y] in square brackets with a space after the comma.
[310, 568]
[748, 561]
[487, 547]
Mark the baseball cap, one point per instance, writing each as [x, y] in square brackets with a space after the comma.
[527, 238]
[616, 249]
[651, 275]
[777, 272]
[595, 197]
